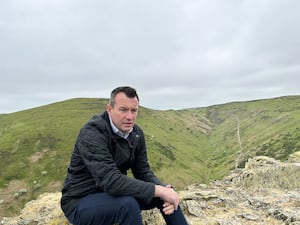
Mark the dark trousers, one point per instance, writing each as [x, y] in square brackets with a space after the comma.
[104, 209]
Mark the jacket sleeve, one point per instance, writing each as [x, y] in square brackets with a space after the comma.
[95, 152]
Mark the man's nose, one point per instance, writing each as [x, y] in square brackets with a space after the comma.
[129, 114]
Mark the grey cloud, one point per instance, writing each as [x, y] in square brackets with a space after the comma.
[177, 54]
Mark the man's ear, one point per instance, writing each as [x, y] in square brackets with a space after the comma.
[108, 108]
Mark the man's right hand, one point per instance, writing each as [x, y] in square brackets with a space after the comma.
[167, 194]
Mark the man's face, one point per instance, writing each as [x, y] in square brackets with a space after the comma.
[124, 112]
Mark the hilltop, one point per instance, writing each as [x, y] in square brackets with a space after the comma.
[200, 144]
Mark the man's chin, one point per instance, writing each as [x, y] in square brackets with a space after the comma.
[126, 129]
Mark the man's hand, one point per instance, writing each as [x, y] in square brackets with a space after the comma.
[168, 208]
[169, 196]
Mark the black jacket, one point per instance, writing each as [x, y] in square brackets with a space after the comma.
[100, 161]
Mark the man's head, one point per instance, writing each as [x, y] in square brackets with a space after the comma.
[123, 107]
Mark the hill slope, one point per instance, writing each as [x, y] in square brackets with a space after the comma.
[199, 144]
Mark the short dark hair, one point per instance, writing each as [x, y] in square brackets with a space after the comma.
[128, 91]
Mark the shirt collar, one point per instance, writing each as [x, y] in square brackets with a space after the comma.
[117, 131]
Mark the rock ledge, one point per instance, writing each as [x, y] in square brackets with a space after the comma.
[267, 191]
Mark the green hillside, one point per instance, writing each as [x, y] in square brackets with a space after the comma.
[185, 146]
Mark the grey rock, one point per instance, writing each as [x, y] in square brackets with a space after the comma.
[267, 191]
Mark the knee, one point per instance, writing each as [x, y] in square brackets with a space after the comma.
[129, 211]
[130, 203]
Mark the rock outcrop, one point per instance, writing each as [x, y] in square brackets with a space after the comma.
[267, 191]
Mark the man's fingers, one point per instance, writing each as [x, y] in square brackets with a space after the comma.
[166, 204]
[169, 208]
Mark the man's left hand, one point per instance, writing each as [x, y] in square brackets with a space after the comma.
[168, 208]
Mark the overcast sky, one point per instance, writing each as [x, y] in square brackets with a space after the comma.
[177, 54]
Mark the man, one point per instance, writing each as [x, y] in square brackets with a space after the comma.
[97, 190]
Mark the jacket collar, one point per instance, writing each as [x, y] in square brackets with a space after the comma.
[117, 131]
